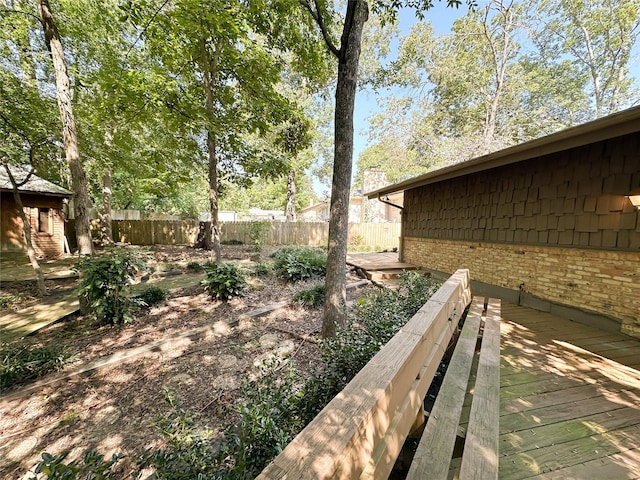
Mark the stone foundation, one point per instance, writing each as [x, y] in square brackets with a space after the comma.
[595, 281]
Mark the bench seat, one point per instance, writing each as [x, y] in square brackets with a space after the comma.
[474, 370]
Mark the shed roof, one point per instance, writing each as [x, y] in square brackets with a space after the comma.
[621, 123]
[35, 184]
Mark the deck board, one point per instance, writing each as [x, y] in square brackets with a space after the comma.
[570, 395]
[570, 399]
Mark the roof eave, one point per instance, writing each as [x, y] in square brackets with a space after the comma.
[622, 123]
[32, 192]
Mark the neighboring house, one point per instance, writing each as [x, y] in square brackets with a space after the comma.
[258, 214]
[43, 206]
[223, 216]
[551, 223]
[361, 210]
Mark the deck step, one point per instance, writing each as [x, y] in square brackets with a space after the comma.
[386, 273]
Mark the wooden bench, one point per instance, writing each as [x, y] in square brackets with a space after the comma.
[360, 433]
[476, 377]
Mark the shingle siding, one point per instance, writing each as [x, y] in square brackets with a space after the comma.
[558, 227]
[552, 200]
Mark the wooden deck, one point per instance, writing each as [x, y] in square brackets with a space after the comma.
[570, 395]
[381, 268]
[570, 399]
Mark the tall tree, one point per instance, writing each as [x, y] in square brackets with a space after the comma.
[599, 36]
[69, 130]
[224, 62]
[348, 55]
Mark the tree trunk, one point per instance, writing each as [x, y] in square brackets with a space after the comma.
[335, 283]
[204, 236]
[105, 215]
[213, 197]
[208, 71]
[26, 228]
[291, 196]
[69, 131]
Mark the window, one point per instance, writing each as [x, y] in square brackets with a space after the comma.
[44, 225]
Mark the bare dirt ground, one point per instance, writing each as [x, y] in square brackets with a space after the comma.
[112, 409]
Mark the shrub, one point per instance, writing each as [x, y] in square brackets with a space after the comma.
[94, 467]
[263, 269]
[151, 296]
[224, 280]
[311, 297]
[297, 263]
[269, 419]
[231, 242]
[195, 267]
[104, 281]
[378, 317]
[258, 235]
[23, 363]
[190, 452]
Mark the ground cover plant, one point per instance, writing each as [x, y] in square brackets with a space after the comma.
[105, 281]
[20, 364]
[224, 280]
[117, 409]
[151, 296]
[311, 297]
[298, 263]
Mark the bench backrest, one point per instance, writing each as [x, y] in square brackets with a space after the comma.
[359, 434]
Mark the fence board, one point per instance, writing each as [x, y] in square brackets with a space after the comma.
[378, 236]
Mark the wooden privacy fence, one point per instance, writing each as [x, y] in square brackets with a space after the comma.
[155, 232]
[380, 235]
[360, 433]
[164, 232]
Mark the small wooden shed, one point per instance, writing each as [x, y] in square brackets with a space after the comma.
[550, 223]
[43, 206]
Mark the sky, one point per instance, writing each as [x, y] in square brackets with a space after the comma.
[442, 19]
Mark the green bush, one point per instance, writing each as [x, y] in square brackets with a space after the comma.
[269, 420]
[190, 452]
[258, 235]
[231, 242]
[94, 467]
[297, 263]
[311, 297]
[263, 269]
[224, 281]
[20, 364]
[378, 318]
[104, 282]
[195, 267]
[151, 296]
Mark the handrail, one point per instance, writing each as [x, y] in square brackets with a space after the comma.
[359, 434]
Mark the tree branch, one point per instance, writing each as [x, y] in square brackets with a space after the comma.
[317, 17]
[144, 29]
[29, 14]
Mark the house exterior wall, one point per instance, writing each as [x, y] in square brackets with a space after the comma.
[558, 227]
[600, 281]
[49, 243]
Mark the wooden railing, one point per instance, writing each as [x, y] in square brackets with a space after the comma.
[359, 434]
